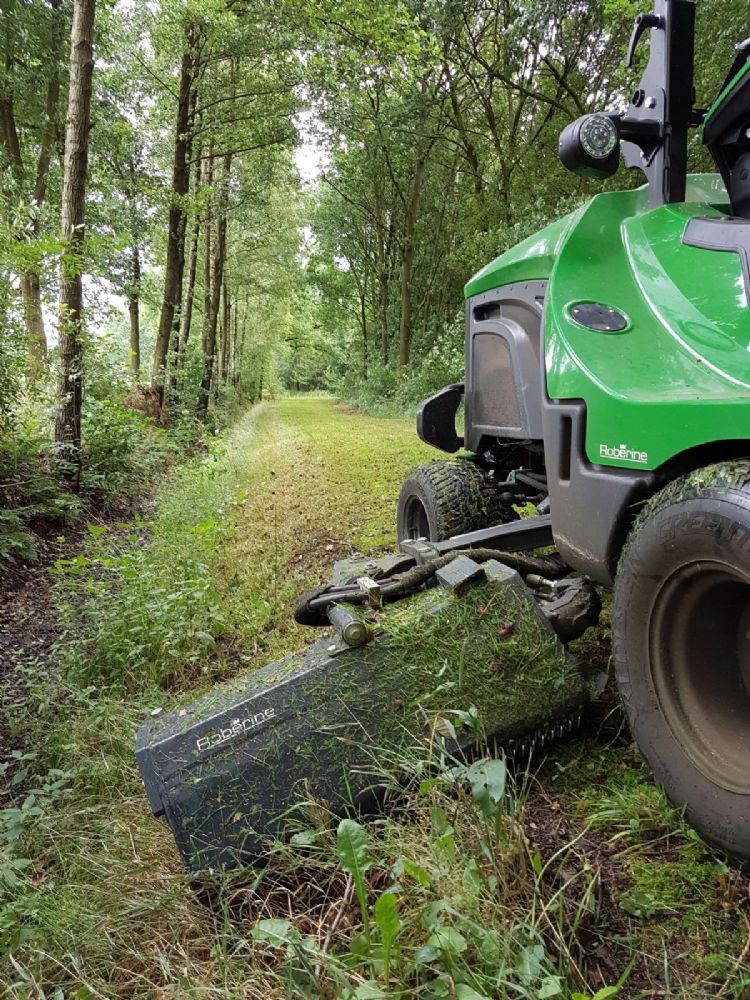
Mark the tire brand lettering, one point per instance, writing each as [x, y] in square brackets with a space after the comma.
[237, 727]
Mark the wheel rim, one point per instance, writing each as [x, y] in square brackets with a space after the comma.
[416, 522]
[699, 639]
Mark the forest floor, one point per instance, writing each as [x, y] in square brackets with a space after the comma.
[593, 886]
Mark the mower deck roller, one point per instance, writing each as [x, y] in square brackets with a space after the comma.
[231, 770]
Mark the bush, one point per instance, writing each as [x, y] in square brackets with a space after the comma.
[29, 494]
[122, 449]
[437, 360]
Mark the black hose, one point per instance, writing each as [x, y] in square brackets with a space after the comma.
[311, 606]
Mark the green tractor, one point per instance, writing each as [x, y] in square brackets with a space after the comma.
[607, 392]
[608, 383]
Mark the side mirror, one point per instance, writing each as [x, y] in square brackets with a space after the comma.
[590, 146]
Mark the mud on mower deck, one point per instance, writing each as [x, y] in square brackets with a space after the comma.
[232, 770]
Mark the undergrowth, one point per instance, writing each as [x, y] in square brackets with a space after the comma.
[481, 881]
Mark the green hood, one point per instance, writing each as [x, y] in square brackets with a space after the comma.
[531, 260]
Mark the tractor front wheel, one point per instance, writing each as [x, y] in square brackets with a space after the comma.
[444, 498]
[681, 629]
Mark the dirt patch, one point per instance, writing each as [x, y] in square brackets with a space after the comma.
[27, 629]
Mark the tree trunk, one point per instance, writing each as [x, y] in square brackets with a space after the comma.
[407, 262]
[214, 298]
[31, 292]
[381, 275]
[186, 316]
[75, 166]
[175, 260]
[207, 256]
[226, 331]
[30, 284]
[134, 304]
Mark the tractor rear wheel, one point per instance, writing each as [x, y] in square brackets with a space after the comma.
[444, 498]
[681, 629]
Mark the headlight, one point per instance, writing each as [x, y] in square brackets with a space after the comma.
[598, 136]
[591, 146]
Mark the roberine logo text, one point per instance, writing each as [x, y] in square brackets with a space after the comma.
[623, 453]
[237, 727]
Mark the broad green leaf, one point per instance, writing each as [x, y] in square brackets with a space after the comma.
[417, 872]
[368, 991]
[426, 954]
[550, 987]
[530, 960]
[388, 923]
[450, 941]
[464, 992]
[353, 847]
[275, 932]
[487, 779]
[386, 917]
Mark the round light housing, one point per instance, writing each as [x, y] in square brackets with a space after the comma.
[590, 146]
[598, 136]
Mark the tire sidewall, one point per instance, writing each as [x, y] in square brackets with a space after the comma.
[704, 525]
[414, 488]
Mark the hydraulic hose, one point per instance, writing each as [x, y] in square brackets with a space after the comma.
[312, 606]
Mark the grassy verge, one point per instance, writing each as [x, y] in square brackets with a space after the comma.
[560, 885]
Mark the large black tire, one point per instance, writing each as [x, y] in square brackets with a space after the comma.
[681, 629]
[444, 498]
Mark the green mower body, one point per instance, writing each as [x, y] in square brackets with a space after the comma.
[610, 353]
[677, 375]
[665, 392]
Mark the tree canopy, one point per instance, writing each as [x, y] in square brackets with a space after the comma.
[216, 258]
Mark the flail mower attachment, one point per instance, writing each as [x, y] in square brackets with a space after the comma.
[470, 658]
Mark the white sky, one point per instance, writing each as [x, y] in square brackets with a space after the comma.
[310, 157]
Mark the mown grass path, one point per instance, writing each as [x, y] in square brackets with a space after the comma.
[593, 871]
[322, 483]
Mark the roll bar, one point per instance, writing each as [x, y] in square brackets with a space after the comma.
[655, 125]
[653, 129]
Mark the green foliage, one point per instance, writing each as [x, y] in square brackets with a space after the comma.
[30, 496]
[142, 604]
[354, 854]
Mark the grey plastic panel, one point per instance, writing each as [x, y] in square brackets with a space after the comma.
[592, 506]
[503, 364]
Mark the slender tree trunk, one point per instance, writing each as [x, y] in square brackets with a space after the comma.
[381, 277]
[214, 296]
[236, 341]
[75, 167]
[175, 261]
[186, 314]
[134, 308]
[407, 261]
[226, 328]
[186, 318]
[241, 349]
[30, 283]
[31, 292]
[207, 257]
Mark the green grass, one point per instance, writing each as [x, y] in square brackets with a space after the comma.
[556, 886]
